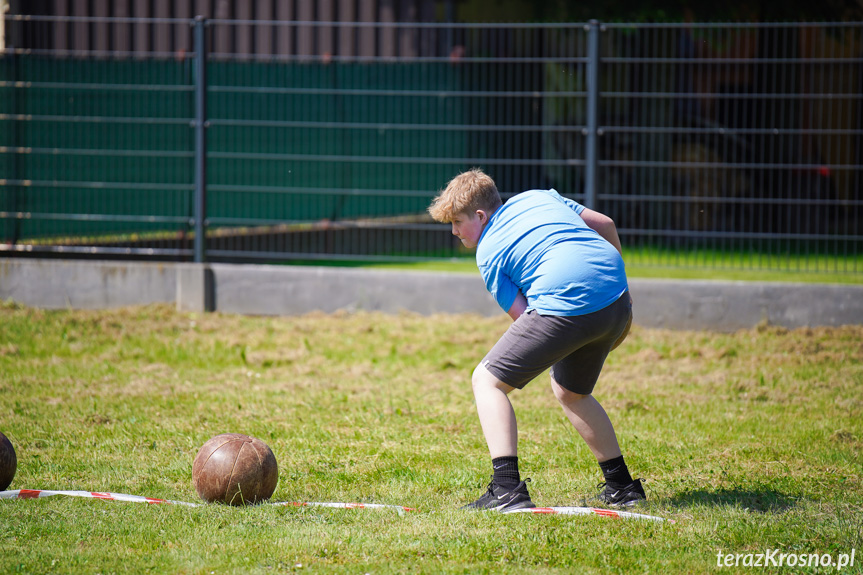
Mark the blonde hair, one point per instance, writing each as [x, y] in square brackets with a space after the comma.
[467, 192]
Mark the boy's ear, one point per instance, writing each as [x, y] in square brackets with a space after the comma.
[483, 217]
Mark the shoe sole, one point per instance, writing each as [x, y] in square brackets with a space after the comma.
[626, 504]
[599, 503]
[523, 505]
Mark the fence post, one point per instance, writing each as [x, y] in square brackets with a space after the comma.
[13, 220]
[592, 113]
[200, 208]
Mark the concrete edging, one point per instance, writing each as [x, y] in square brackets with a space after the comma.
[291, 290]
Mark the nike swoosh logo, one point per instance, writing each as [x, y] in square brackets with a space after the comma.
[502, 496]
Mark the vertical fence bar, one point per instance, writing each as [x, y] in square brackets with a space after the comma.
[200, 210]
[18, 141]
[590, 160]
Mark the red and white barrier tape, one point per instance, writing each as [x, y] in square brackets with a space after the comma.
[590, 511]
[107, 496]
[342, 505]
[37, 493]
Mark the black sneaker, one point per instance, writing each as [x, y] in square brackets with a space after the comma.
[632, 494]
[503, 499]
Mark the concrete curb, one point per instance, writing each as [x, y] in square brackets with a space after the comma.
[292, 290]
[729, 306]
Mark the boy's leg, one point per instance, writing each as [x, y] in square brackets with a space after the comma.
[592, 423]
[497, 418]
[496, 415]
[590, 420]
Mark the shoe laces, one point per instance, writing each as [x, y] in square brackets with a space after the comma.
[604, 487]
[490, 487]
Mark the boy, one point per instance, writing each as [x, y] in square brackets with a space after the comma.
[556, 268]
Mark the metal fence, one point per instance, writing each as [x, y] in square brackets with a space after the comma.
[711, 145]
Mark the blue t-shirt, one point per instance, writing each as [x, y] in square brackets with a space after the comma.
[538, 244]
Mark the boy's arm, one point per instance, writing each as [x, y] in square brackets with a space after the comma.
[518, 306]
[603, 225]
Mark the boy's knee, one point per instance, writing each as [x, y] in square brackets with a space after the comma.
[483, 379]
[563, 395]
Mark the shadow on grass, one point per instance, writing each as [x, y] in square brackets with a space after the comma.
[761, 501]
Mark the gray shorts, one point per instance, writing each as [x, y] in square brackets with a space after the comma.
[574, 347]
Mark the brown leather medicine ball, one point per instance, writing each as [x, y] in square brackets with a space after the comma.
[8, 462]
[235, 469]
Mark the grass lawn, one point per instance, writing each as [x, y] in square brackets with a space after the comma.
[680, 265]
[750, 441]
[638, 270]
